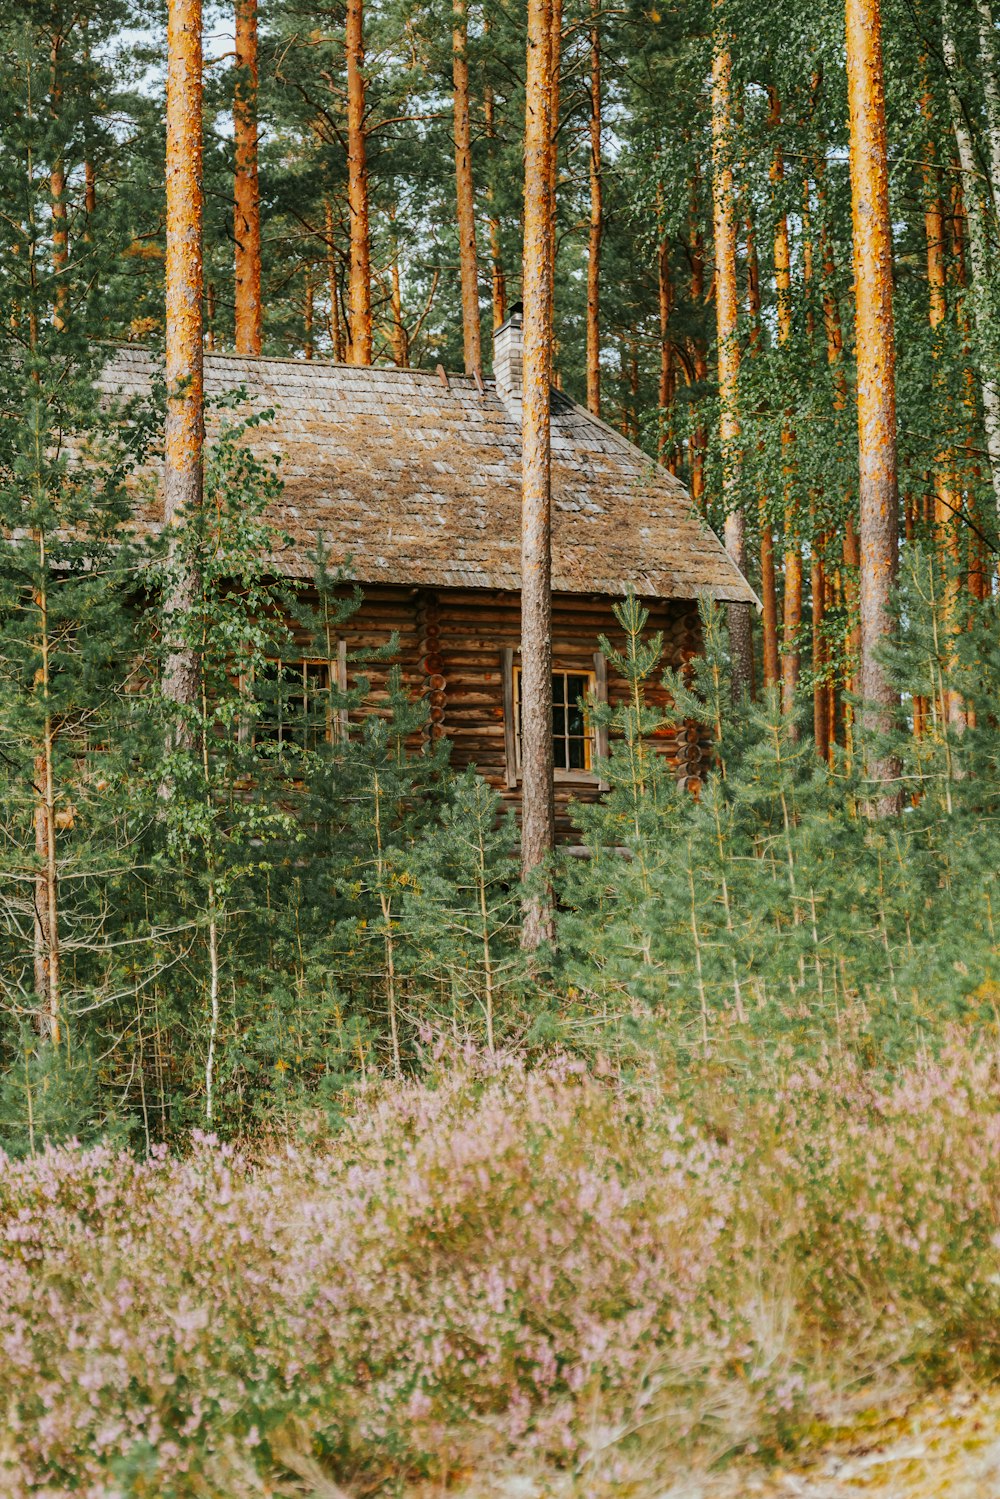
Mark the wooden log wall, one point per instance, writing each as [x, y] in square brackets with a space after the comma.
[450, 645]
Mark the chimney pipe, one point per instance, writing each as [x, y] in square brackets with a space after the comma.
[508, 355]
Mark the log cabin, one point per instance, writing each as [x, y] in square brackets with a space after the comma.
[412, 481]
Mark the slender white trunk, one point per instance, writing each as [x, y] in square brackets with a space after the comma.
[990, 71]
[979, 248]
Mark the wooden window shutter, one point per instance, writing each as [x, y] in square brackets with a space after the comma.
[509, 726]
[601, 749]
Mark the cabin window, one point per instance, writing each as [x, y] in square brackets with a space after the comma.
[294, 704]
[572, 733]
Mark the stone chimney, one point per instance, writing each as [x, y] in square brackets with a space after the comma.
[508, 355]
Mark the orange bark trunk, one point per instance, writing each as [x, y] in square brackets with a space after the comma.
[538, 809]
[360, 291]
[727, 317]
[596, 221]
[947, 501]
[768, 576]
[792, 614]
[185, 429]
[464, 191]
[876, 362]
[246, 216]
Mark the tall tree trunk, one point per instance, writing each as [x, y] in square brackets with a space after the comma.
[360, 346]
[400, 342]
[307, 316]
[989, 69]
[847, 589]
[792, 614]
[983, 299]
[333, 283]
[498, 280]
[698, 445]
[555, 78]
[727, 319]
[89, 171]
[185, 424]
[464, 192]
[665, 450]
[946, 501]
[876, 361]
[538, 806]
[246, 226]
[596, 220]
[57, 191]
[47, 943]
[818, 589]
[768, 575]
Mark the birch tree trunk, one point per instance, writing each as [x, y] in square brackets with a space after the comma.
[596, 221]
[982, 298]
[464, 191]
[359, 350]
[876, 362]
[246, 226]
[990, 73]
[726, 317]
[185, 424]
[538, 806]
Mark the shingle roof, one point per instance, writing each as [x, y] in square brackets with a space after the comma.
[417, 481]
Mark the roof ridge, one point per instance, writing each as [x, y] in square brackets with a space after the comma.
[300, 363]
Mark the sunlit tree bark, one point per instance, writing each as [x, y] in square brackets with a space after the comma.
[727, 319]
[185, 430]
[792, 612]
[538, 808]
[359, 349]
[876, 365]
[246, 227]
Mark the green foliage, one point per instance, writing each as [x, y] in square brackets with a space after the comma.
[767, 906]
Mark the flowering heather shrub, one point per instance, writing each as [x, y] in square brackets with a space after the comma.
[513, 1260]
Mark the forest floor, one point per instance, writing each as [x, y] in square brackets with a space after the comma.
[942, 1446]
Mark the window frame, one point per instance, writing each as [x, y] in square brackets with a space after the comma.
[275, 731]
[595, 690]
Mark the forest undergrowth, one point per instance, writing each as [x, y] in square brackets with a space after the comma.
[498, 1265]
